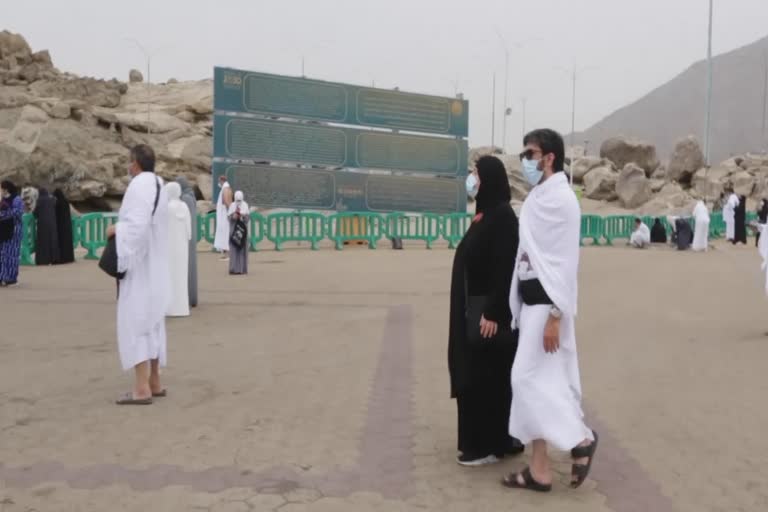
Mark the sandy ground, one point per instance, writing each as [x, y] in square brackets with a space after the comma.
[319, 383]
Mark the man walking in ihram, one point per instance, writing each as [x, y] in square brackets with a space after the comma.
[546, 408]
[221, 242]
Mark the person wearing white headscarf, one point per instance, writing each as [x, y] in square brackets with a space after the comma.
[224, 201]
[729, 216]
[238, 256]
[701, 231]
[179, 235]
[546, 388]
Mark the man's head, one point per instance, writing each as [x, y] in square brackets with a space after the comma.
[222, 180]
[142, 160]
[547, 147]
[638, 222]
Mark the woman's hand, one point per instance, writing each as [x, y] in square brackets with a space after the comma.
[111, 230]
[552, 335]
[488, 329]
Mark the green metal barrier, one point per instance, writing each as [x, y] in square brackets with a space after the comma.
[28, 237]
[425, 227]
[295, 227]
[716, 225]
[617, 227]
[592, 226]
[209, 227]
[256, 230]
[454, 226]
[198, 234]
[93, 232]
[350, 226]
[75, 231]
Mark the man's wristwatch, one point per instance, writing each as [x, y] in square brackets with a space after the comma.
[555, 313]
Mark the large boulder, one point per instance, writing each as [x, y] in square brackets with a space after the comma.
[600, 183]
[710, 183]
[633, 186]
[622, 151]
[135, 76]
[585, 164]
[751, 161]
[743, 183]
[686, 159]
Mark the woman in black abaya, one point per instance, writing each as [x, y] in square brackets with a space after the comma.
[480, 363]
[64, 228]
[47, 242]
[740, 221]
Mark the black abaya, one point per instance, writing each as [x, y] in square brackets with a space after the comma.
[480, 372]
[47, 242]
[740, 221]
[64, 228]
[658, 233]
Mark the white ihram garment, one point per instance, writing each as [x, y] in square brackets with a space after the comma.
[641, 236]
[701, 232]
[142, 253]
[546, 388]
[762, 248]
[221, 242]
[729, 216]
[179, 235]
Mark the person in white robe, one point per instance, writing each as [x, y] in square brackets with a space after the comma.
[221, 241]
[641, 236]
[142, 254]
[729, 216]
[701, 231]
[179, 235]
[546, 387]
[762, 248]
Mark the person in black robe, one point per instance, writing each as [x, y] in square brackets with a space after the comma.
[64, 228]
[683, 234]
[47, 244]
[658, 233]
[480, 368]
[762, 217]
[740, 221]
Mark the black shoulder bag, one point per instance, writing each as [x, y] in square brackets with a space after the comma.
[108, 260]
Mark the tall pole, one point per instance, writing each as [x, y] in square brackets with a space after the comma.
[765, 100]
[493, 113]
[506, 98]
[302, 67]
[707, 126]
[525, 101]
[149, 95]
[573, 123]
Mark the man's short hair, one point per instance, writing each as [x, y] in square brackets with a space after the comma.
[550, 142]
[222, 178]
[144, 155]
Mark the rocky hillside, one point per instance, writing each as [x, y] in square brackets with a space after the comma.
[676, 109]
[61, 130]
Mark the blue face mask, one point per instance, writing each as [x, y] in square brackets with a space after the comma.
[472, 186]
[531, 171]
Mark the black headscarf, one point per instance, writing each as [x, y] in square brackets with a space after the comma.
[10, 187]
[494, 184]
[658, 233]
[762, 213]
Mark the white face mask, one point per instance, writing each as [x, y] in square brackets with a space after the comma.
[531, 171]
[472, 185]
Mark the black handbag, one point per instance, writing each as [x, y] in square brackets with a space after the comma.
[108, 260]
[239, 234]
[7, 227]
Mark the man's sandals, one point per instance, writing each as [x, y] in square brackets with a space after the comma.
[578, 471]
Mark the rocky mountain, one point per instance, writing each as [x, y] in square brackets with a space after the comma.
[61, 130]
[677, 108]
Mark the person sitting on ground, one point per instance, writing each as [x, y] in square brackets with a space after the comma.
[658, 232]
[641, 236]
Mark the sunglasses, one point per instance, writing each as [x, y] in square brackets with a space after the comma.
[528, 154]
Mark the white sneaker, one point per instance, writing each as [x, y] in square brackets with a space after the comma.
[466, 461]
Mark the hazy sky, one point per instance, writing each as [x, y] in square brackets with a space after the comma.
[625, 47]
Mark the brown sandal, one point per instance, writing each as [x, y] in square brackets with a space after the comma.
[160, 394]
[530, 484]
[581, 471]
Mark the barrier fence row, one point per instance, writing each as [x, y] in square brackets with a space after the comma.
[89, 230]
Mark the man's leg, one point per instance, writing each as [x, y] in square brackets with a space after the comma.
[154, 377]
[540, 466]
[141, 387]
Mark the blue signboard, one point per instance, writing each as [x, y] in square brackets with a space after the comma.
[316, 100]
[292, 142]
[318, 189]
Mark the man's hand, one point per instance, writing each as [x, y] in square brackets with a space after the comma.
[552, 335]
[488, 329]
[111, 230]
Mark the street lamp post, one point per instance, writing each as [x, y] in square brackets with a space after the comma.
[148, 57]
[493, 113]
[765, 100]
[574, 73]
[708, 122]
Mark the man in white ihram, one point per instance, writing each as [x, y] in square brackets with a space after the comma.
[142, 254]
[221, 241]
[641, 236]
[701, 231]
[729, 216]
[546, 388]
